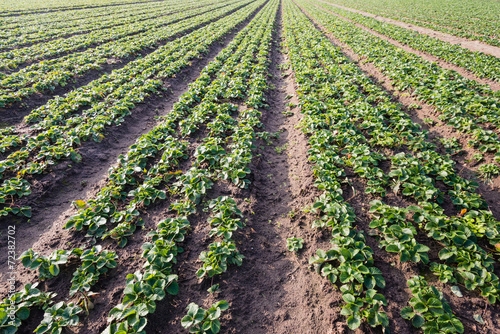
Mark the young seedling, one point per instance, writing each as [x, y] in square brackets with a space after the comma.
[294, 244]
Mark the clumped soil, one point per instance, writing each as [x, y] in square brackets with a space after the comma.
[274, 291]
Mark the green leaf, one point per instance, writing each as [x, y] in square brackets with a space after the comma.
[54, 269]
[392, 248]
[23, 313]
[348, 298]
[173, 288]
[407, 313]
[215, 326]
[353, 321]
[187, 321]
[223, 305]
[418, 321]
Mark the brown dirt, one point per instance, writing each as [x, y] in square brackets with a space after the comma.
[466, 43]
[495, 86]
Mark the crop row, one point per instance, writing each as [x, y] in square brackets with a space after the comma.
[124, 88]
[347, 118]
[350, 261]
[464, 104]
[12, 12]
[242, 65]
[453, 18]
[13, 58]
[483, 65]
[40, 33]
[60, 19]
[47, 75]
[16, 308]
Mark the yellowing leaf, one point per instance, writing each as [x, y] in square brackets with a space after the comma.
[79, 204]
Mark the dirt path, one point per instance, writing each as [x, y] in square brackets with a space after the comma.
[465, 43]
[495, 86]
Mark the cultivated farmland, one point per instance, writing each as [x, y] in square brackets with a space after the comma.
[249, 166]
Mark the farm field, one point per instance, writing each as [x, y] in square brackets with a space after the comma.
[249, 166]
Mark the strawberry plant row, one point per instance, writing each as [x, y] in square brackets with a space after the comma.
[163, 63]
[385, 125]
[483, 65]
[186, 118]
[465, 19]
[345, 145]
[142, 290]
[61, 19]
[16, 308]
[464, 104]
[350, 260]
[12, 11]
[95, 262]
[226, 218]
[13, 58]
[47, 75]
[44, 33]
[429, 309]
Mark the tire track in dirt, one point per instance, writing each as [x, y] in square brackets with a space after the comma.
[463, 42]
[495, 86]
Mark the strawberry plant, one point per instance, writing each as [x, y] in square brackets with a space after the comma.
[57, 317]
[48, 267]
[16, 308]
[201, 321]
[398, 235]
[294, 244]
[429, 310]
[218, 257]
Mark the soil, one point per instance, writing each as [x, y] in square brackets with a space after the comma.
[465, 43]
[274, 290]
